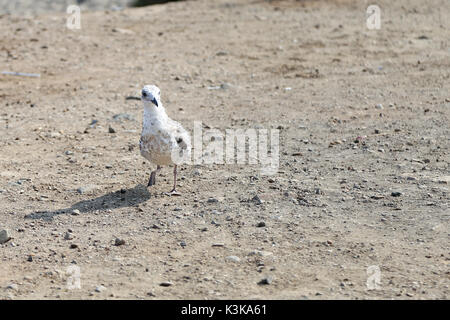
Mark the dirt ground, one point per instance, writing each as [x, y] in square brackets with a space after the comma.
[363, 179]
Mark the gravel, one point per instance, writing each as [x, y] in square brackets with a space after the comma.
[261, 224]
[13, 286]
[100, 288]
[233, 259]
[87, 189]
[166, 284]
[4, 236]
[266, 280]
[119, 242]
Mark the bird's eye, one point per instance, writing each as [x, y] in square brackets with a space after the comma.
[144, 94]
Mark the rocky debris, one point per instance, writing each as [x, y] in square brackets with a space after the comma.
[4, 236]
[443, 180]
[12, 286]
[73, 246]
[218, 244]
[265, 280]
[396, 194]
[124, 116]
[133, 98]
[119, 242]
[222, 86]
[261, 224]
[225, 86]
[87, 189]
[93, 123]
[100, 288]
[260, 253]
[111, 130]
[257, 200]
[122, 31]
[75, 212]
[233, 259]
[68, 236]
[166, 284]
[379, 106]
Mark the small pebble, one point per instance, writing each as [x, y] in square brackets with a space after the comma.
[68, 236]
[218, 245]
[260, 253]
[265, 280]
[119, 242]
[166, 284]
[225, 86]
[100, 289]
[212, 200]
[4, 236]
[257, 200]
[13, 286]
[233, 258]
[87, 189]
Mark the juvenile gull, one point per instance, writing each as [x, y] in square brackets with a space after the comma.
[163, 140]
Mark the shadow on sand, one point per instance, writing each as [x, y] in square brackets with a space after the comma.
[119, 199]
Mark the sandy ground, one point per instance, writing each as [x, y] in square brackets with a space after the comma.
[359, 185]
[33, 7]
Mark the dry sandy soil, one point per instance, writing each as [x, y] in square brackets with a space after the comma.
[358, 185]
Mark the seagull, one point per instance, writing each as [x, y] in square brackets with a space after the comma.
[163, 141]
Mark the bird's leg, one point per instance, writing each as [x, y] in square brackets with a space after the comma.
[152, 179]
[174, 190]
[174, 179]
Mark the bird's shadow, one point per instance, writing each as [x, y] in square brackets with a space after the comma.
[113, 200]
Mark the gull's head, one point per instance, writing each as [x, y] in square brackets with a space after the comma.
[152, 94]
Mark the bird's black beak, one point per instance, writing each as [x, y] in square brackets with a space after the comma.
[155, 102]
